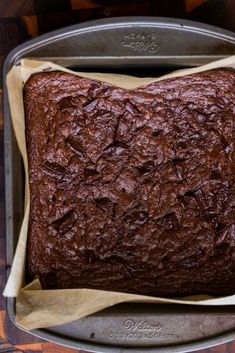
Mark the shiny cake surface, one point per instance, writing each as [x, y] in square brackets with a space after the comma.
[132, 190]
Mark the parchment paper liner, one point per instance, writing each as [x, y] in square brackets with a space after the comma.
[36, 308]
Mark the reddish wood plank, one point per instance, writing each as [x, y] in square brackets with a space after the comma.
[6, 345]
[2, 332]
[30, 348]
[192, 4]
[31, 24]
[83, 4]
[16, 8]
[48, 347]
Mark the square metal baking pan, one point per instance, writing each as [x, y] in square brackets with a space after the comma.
[140, 46]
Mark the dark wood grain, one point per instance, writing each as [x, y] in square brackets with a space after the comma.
[17, 8]
[24, 19]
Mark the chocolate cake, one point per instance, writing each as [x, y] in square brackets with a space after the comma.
[132, 190]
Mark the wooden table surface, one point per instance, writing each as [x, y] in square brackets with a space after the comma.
[23, 19]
